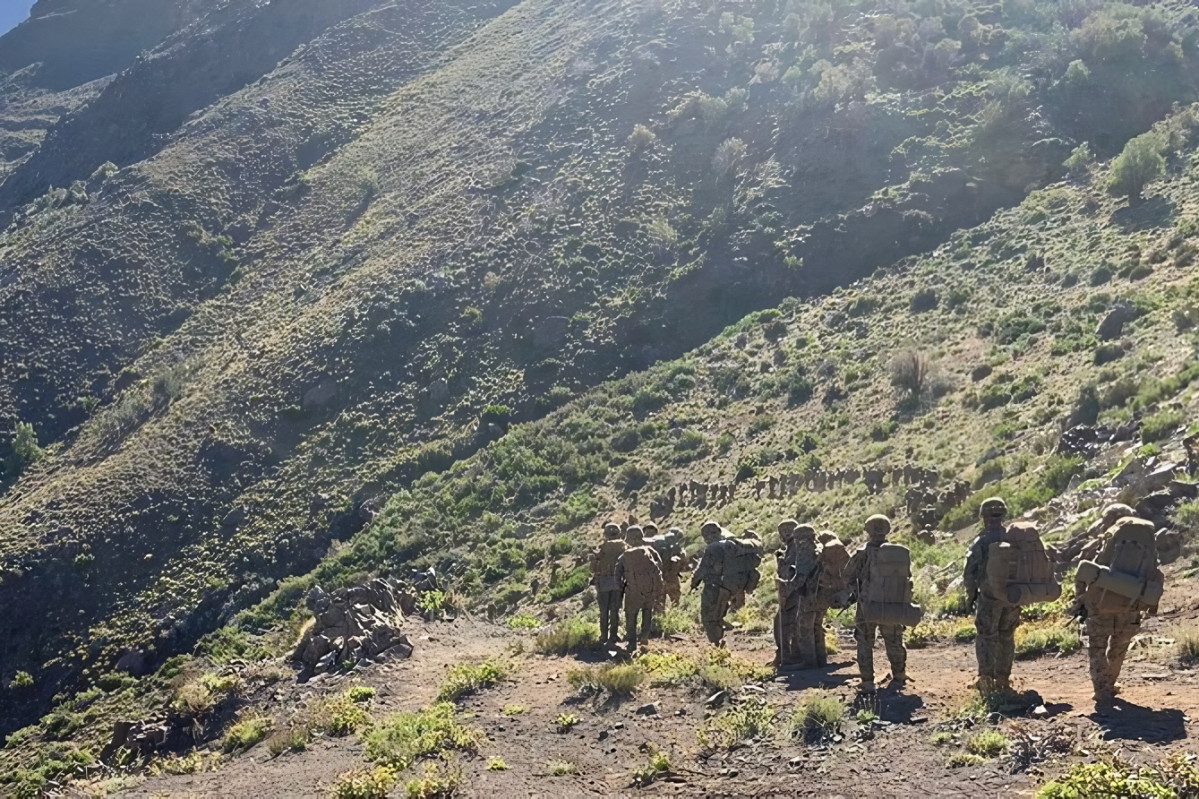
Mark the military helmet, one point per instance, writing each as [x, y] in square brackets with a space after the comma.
[878, 525]
[805, 531]
[634, 535]
[1116, 511]
[611, 530]
[675, 533]
[827, 537]
[993, 508]
[710, 529]
[787, 526]
[649, 529]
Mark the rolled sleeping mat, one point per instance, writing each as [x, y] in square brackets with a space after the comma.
[905, 614]
[1032, 593]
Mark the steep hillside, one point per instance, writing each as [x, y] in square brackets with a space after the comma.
[1006, 318]
[429, 220]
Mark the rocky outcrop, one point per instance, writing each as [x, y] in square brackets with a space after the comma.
[354, 626]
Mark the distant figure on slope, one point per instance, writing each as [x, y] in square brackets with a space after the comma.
[607, 585]
[1113, 593]
[639, 570]
[796, 584]
[1007, 567]
[880, 576]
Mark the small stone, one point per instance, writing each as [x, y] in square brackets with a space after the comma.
[618, 725]
[1040, 712]
[649, 710]
[603, 736]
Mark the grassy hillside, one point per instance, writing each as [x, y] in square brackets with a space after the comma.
[1005, 316]
[365, 265]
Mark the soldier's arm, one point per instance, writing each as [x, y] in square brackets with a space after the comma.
[700, 568]
[972, 575]
[620, 570]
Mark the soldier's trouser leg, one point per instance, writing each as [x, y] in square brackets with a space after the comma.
[805, 638]
[897, 653]
[713, 604]
[1097, 641]
[632, 611]
[995, 641]
[863, 633]
[1108, 638]
[609, 614]
[820, 611]
[787, 622]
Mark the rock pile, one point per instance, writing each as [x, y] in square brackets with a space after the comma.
[355, 625]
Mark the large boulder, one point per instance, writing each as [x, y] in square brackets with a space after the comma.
[355, 625]
[1112, 324]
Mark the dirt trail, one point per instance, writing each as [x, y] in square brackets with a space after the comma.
[610, 739]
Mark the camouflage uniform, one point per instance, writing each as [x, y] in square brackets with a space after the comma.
[995, 620]
[798, 577]
[738, 595]
[833, 559]
[1109, 633]
[639, 570]
[607, 585]
[715, 599]
[857, 575]
[672, 570]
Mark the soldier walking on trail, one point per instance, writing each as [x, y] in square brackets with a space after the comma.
[833, 559]
[639, 570]
[747, 548]
[607, 585]
[669, 547]
[715, 599]
[1113, 593]
[796, 584]
[1006, 568]
[880, 575]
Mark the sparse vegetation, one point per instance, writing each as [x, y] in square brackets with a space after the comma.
[463, 679]
[744, 721]
[405, 738]
[817, 716]
[988, 743]
[570, 635]
[246, 732]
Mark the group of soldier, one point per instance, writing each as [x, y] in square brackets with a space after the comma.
[1007, 568]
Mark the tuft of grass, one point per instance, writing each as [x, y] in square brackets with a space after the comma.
[373, 783]
[438, 781]
[522, 621]
[618, 679]
[565, 722]
[988, 743]
[659, 764]
[463, 679]
[965, 759]
[1033, 642]
[338, 715]
[405, 738]
[941, 738]
[566, 637]
[514, 710]
[737, 725]
[199, 695]
[818, 716]
[360, 694]
[1175, 776]
[194, 762]
[965, 634]
[293, 739]
[246, 732]
[560, 768]
[496, 764]
[920, 636]
[1187, 646]
[865, 716]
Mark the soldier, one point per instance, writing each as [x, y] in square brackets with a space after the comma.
[674, 566]
[796, 583]
[639, 570]
[865, 574]
[737, 576]
[607, 585]
[994, 620]
[715, 599]
[833, 558]
[1113, 593]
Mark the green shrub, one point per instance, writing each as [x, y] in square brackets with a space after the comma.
[438, 781]
[522, 621]
[405, 738]
[1140, 163]
[24, 450]
[618, 679]
[561, 768]
[22, 679]
[567, 636]
[1174, 777]
[743, 722]
[965, 634]
[462, 679]
[1160, 425]
[246, 732]
[1187, 646]
[373, 783]
[988, 743]
[817, 716]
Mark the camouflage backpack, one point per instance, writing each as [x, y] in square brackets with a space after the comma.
[604, 557]
[741, 561]
[641, 571]
[1019, 571]
[1124, 577]
[666, 546]
[886, 591]
[833, 558]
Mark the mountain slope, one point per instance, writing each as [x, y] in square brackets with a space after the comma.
[365, 264]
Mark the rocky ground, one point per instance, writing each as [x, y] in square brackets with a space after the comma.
[892, 756]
